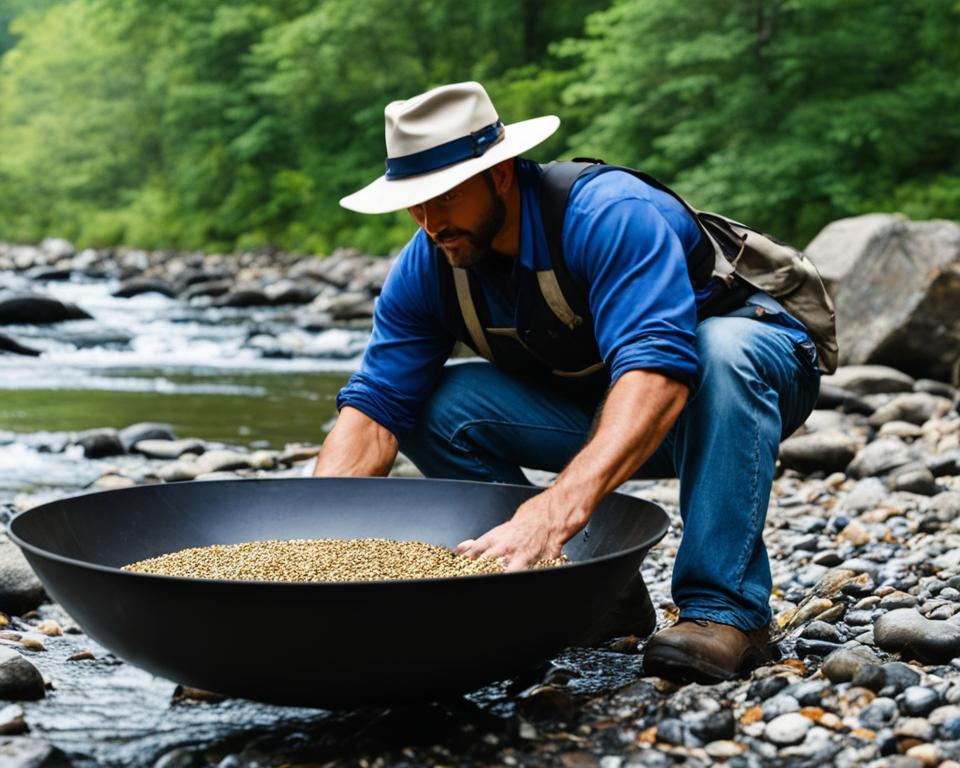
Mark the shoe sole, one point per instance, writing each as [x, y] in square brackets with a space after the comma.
[673, 664]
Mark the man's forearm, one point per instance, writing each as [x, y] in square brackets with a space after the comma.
[357, 446]
[640, 409]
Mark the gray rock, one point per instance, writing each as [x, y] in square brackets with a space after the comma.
[780, 704]
[19, 752]
[133, 434]
[869, 379]
[178, 471]
[879, 713]
[169, 449]
[906, 631]
[868, 493]
[219, 460]
[913, 407]
[914, 728]
[945, 506]
[289, 292]
[820, 630]
[344, 306]
[945, 464]
[140, 285]
[919, 481]
[19, 679]
[902, 429]
[881, 456]
[20, 589]
[819, 452]
[894, 281]
[790, 728]
[243, 297]
[97, 443]
[870, 676]
[832, 396]
[896, 600]
[209, 288]
[843, 664]
[34, 309]
[918, 701]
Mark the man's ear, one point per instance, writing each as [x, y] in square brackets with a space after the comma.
[503, 175]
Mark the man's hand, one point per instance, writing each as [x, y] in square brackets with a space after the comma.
[639, 411]
[537, 531]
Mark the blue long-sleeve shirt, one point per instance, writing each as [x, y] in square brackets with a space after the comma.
[625, 246]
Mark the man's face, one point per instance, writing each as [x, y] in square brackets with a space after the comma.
[464, 221]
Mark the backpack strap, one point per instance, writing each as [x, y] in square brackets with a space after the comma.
[558, 288]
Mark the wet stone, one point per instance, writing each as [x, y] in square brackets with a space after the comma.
[914, 728]
[97, 443]
[19, 679]
[671, 730]
[858, 618]
[168, 449]
[880, 457]
[842, 665]
[12, 720]
[905, 630]
[879, 713]
[821, 630]
[779, 705]
[918, 701]
[805, 647]
[896, 600]
[787, 729]
[767, 687]
[871, 677]
[20, 589]
[897, 677]
[920, 481]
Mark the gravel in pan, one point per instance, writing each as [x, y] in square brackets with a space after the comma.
[321, 560]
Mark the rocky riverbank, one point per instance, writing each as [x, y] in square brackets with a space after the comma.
[864, 536]
[863, 532]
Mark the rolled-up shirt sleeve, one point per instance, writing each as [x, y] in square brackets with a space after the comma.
[407, 348]
[632, 264]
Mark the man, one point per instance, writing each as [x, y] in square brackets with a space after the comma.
[665, 395]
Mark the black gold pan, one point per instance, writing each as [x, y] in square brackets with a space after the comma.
[334, 644]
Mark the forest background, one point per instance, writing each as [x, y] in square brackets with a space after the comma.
[193, 124]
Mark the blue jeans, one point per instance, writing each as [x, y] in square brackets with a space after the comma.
[757, 386]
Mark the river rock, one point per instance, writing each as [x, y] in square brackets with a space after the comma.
[289, 292]
[11, 720]
[895, 282]
[945, 506]
[881, 456]
[829, 451]
[19, 752]
[919, 480]
[210, 288]
[14, 347]
[97, 443]
[349, 305]
[220, 460]
[945, 464]
[168, 449]
[179, 471]
[139, 285]
[905, 631]
[133, 434]
[34, 309]
[918, 701]
[243, 297]
[868, 380]
[787, 729]
[20, 589]
[843, 664]
[19, 679]
[913, 407]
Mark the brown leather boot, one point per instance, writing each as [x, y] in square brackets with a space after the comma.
[701, 651]
[632, 614]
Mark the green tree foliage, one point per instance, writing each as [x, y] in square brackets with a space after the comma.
[785, 113]
[197, 123]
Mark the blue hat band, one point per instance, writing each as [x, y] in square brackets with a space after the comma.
[464, 148]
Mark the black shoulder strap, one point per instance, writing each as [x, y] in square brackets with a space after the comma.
[556, 181]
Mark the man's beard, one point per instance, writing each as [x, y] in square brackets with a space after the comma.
[465, 248]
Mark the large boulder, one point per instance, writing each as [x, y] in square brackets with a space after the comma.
[896, 286]
[35, 309]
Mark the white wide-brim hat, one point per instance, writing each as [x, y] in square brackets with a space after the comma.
[438, 140]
